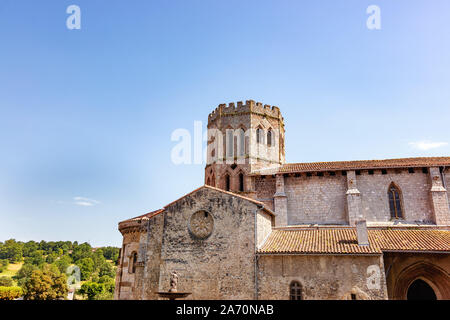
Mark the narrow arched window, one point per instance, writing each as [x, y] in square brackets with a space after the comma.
[230, 139]
[259, 135]
[241, 142]
[133, 260]
[213, 181]
[208, 182]
[395, 203]
[241, 182]
[269, 138]
[227, 182]
[295, 291]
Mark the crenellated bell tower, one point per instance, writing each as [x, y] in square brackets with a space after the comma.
[243, 139]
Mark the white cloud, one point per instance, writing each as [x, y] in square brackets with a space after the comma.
[85, 202]
[427, 145]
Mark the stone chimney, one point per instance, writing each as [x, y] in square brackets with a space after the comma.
[361, 233]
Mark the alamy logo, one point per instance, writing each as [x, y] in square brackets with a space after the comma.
[74, 278]
[74, 20]
[373, 277]
[374, 20]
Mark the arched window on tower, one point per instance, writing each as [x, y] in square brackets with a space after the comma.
[132, 262]
[227, 182]
[241, 182]
[208, 182]
[269, 137]
[213, 181]
[230, 139]
[295, 291]
[395, 203]
[241, 142]
[259, 135]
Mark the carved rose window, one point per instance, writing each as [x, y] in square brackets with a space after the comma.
[201, 224]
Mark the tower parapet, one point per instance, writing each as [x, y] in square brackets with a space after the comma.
[250, 106]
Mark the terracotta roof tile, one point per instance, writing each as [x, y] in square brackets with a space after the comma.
[143, 217]
[411, 240]
[344, 241]
[359, 164]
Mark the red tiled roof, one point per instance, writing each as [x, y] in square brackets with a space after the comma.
[344, 241]
[145, 216]
[411, 240]
[360, 164]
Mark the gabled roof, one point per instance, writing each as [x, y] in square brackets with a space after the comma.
[358, 165]
[344, 241]
[146, 216]
[263, 206]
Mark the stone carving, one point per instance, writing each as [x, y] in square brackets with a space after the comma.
[201, 224]
[173, 281]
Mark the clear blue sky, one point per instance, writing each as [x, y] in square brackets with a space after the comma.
[89, 113]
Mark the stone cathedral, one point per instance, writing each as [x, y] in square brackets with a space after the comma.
[260, 228]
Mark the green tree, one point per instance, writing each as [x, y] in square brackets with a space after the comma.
[91, 289]
[51, 258]
[6, 282]
[36, 258]
[111, 253]
[48, 284]
[108, 282]
[11, 250]
[86, 266]
[82, 251]
[3, 264]
[10, 293]
[24, 274]
[63, 263]
[106, 270]
[98, 258]
[29, 248]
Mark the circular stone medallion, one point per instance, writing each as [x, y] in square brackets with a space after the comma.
[201, 224]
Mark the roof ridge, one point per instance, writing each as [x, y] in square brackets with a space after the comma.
[153, 213]
[370, 160]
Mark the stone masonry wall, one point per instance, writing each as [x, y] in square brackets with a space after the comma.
[322, 276]
[264, 224]
[447, 180]
[316, 199]
[152, 258]
[265, 189]
[323, 199]
[220, 266]
[415, 193]
[125, 280]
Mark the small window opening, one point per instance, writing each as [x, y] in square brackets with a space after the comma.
[241, 182]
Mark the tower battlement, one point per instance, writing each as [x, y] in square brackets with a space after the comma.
[250, 106]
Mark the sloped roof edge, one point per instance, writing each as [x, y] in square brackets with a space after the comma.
[156, 212]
